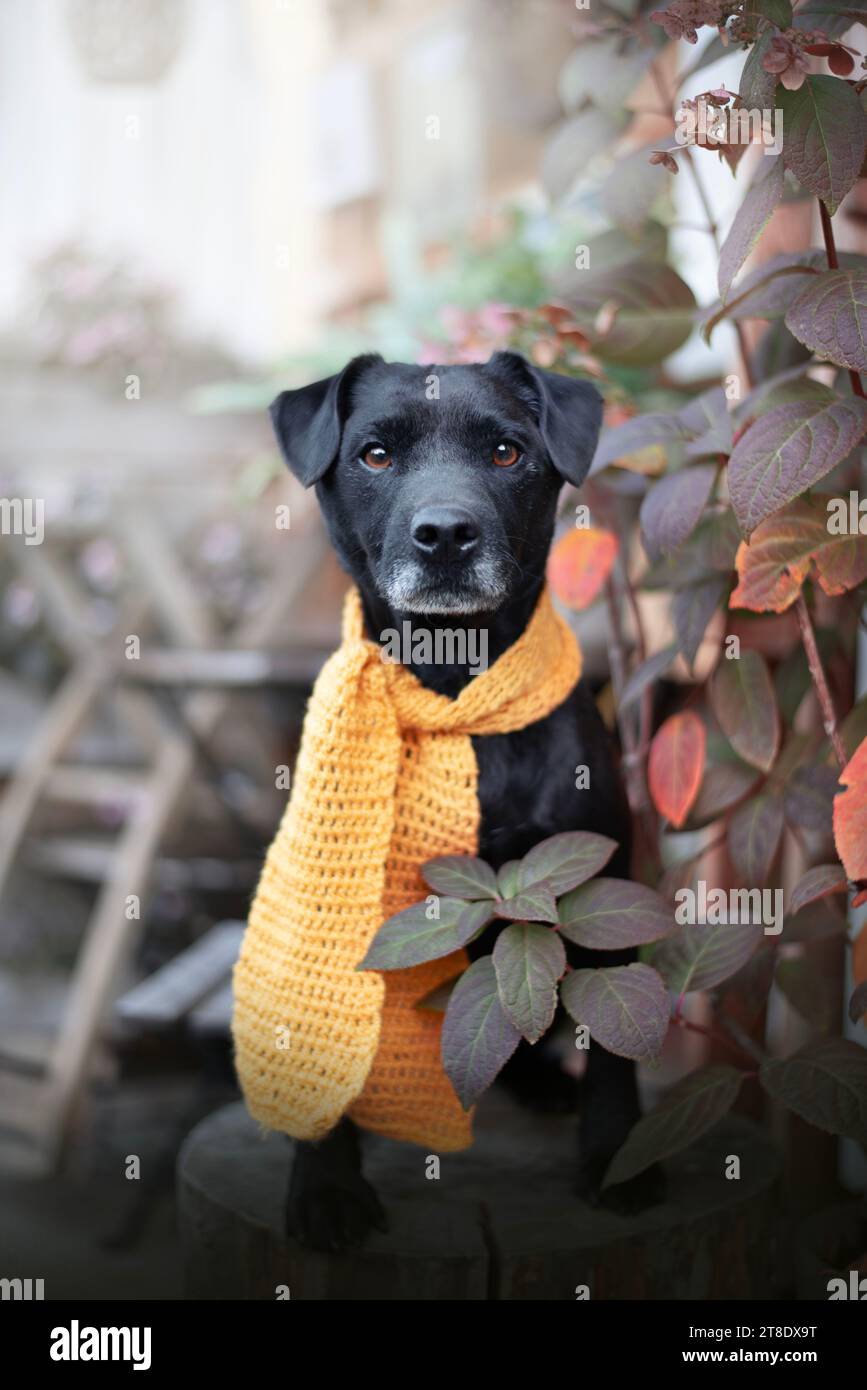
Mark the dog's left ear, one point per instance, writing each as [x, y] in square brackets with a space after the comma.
[308, 422]
[568, 412]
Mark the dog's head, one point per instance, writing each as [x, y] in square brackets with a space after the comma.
[439, 484]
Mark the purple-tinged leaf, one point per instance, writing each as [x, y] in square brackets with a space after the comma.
[609, 914]
[535, 903]
[808, 799]
[529, 960]
[645, 674]
[787, 451]
[819, 882]
[723, 786]
[754, 835]
[438, 998]
[830, 318]
[692, 609]
[625, 1007]
[817, 921]
[743, 700]
[750, 221]
[858, 1002]
[460, 876]
[639, 433]
[411, 938]
[810, 991]
[825, 1083]
[690, 1109]
[826, 130]
[701, 956]
[672, 508]
[478, 1037]
[563, 861]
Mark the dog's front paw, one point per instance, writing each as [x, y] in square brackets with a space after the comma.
[645, 1190]
[332, 1216]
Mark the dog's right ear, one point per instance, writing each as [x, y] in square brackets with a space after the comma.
[308, 422]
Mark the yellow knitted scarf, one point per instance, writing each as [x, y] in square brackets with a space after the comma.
[386, 779]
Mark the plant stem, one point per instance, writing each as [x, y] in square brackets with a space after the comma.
[633, 753]
[834, 264]
[820, 680]
[710, 1033]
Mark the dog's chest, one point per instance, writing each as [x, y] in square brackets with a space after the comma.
[553, 776]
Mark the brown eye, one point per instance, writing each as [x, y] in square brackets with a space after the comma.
[376, 457]
[505, 455]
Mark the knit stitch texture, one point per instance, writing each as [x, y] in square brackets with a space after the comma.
[386, 779]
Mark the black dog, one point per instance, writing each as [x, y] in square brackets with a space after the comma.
[439, 488]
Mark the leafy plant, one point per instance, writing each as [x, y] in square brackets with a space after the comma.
[736, 502]
[549, 895]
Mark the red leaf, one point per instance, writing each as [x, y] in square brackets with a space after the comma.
[778, 558]
[850, 815]
[580, 563]
[676, 765]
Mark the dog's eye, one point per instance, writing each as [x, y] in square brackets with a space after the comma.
[506, 454]
[376, 457]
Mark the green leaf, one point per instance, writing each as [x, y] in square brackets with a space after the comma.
[832, 17]
[508, 878]
[529, 960]
[566, 860]
[825, 134]
[754, 835]
[757, 87]
[625, 1008]
[565, 159]
[788, 450]
[535, 903]
[629, 192]
[830, 318]
[612, 913]
[410, 938]
[701, 956]
[579, 77]
[825, 1083]
[779, 12]
[750, 221]
[649, 312]
[690, 1109]
[478, 1037]
[460, 876]
[743, 700]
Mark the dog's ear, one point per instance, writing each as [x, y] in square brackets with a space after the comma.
[568, 412]
[309, 422]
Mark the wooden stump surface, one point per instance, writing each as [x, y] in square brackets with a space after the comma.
[500, 1222]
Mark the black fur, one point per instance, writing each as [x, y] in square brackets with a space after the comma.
[446, 537]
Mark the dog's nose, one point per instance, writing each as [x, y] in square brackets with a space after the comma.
[444, 532]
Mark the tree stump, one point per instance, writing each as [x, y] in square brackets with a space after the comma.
[500, 1221]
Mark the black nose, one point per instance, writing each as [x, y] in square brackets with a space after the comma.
[444, 532]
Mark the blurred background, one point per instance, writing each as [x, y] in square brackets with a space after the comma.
[207, 201]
